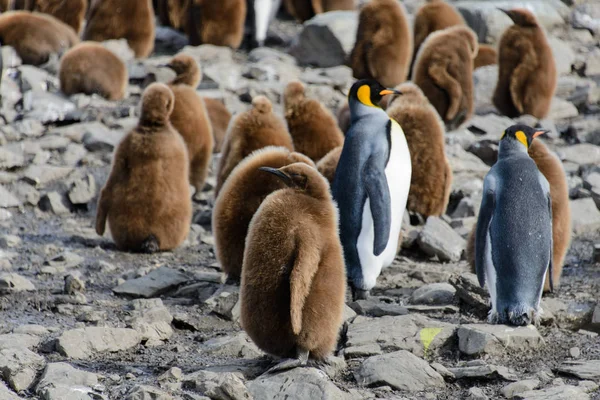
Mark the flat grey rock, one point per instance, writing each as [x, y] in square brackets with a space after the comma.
[434, 294]
[153, 323]
[581, 369]
[296, 384]
[585, 216]
[439, 239]
[7, 199]
[19, 367]
[46, 107]
[41, 175]
[63, 374]
[374, 308]
[224, 385]
[84, 343]
[400, 370]
[141, 392]
[512, 389]
[7, 394]
[11, 159]
[97, 137]
[497, 339]
[18, 340]
[565, 392]
[83, 190]
[154, 284]
[483, 371]
[582, 154]
[10, 283]
[238, 345]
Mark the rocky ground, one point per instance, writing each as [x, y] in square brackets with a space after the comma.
[81, 320]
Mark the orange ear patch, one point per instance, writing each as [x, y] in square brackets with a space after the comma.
[521, 137]
[364, 95]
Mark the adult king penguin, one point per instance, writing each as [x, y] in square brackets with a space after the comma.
[513, 242]
[371, 186]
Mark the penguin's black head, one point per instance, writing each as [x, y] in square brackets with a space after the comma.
[522, 133]
[369, 92]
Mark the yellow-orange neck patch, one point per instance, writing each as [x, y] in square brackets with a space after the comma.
[364, 95]
[521, 137]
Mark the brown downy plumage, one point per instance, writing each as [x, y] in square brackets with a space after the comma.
[486, 55]
[70, 12]
[526, 70]
[132, 20]
[173, 13]
[328, 164]
[313, 127]
[190, 118]
[434, 16]
[252, 130]
[240, 197]
[220, 23]
[431, 179]
[293, 276]
[384, 43]
[343, 117]
[304, 10]
[444, 72]
[147, 196]
[219, 119]
[91, 68]
[35, 36]
[551, 167]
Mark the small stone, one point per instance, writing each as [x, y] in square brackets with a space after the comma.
[19, 367]
[374, 308]
[6, 393]
[18, 340]
[11, 283]
[46, 107]
[223, 302]
[154, 284]
[511, 390]
[477, 394]
[27, 193]
[142, 392]
[582, 154]
[217, 386]
[298, 383]
[588, 386]
[401, 370]
[574, 352]
[238, 345]
[464, 209]
[73, 285]
[55, 203]
[9, 241]
[10, 159]
[154, 323]
[443, 371]
[581, 369]
[496, 339]
[363, 351]
[87, 342]
[97, 137]
[434, 294]
[566, 392]
[83, 190]
[483, 371]
[585, 216]
[36, 330]
[439, 239]
[487, 150]
[7, 199]
[173, 374]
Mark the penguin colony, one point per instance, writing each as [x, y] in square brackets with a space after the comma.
[336, 222]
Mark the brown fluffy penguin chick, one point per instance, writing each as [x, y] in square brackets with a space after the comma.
[252, 130]
[434, 16]
[551, 167]
[328, 164]
[132, 20]
[293, 276]
[313, 127]
[220, 23]
[219, 119]
[487, 55]
[70, 12]
[383, 48]
[444, 72]
[91, 68]
[304, 10]
[240, 197]
[190, 118]
[526, 70]
[35, 36]
[431, 179]
[147, 196]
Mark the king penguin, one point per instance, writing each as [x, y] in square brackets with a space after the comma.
[371, 186]
[513, 242]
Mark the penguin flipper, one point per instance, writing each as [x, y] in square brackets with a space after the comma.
[551, 263]
[303, 271]
[520, 76]
[379, 196]
[486, 213]
[442, 78]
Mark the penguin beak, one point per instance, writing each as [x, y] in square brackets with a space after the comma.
[286, 179]
[539, 133]
[389, 91]
[507, 12]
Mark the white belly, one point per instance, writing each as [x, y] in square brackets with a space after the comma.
[490, 273]
[398, 173]
[262, 12]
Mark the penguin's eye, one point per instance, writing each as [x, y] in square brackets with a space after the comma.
[364, 95]
[521, 137]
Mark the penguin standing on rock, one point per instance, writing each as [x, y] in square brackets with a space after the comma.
[513, 242]
[371, 186]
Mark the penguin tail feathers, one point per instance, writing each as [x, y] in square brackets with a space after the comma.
[303, 271]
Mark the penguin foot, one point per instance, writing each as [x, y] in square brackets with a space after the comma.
[289, 363]
[150, 245]
[360, 294]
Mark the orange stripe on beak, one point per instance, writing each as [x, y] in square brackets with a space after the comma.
[538, 133]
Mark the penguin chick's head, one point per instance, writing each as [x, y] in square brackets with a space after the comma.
[294, 93]
[262, 104]
[521, 17]
[302, 177]
[368, 92]
[522, 133]
[157, 105]
[187, 70]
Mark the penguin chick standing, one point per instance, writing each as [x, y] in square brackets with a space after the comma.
[371, 186]
[190, 118]
[35, 36]
[91, 68]
[383, 47]
[132, 20]
[219, 120]
[526, 70]
[147, 196]
[252, 130]
[552, 169]
[444, 72]
[513, 240]
[313, 127]
[424, 131]
[293, 280]
[220, 23]
[238, 200]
